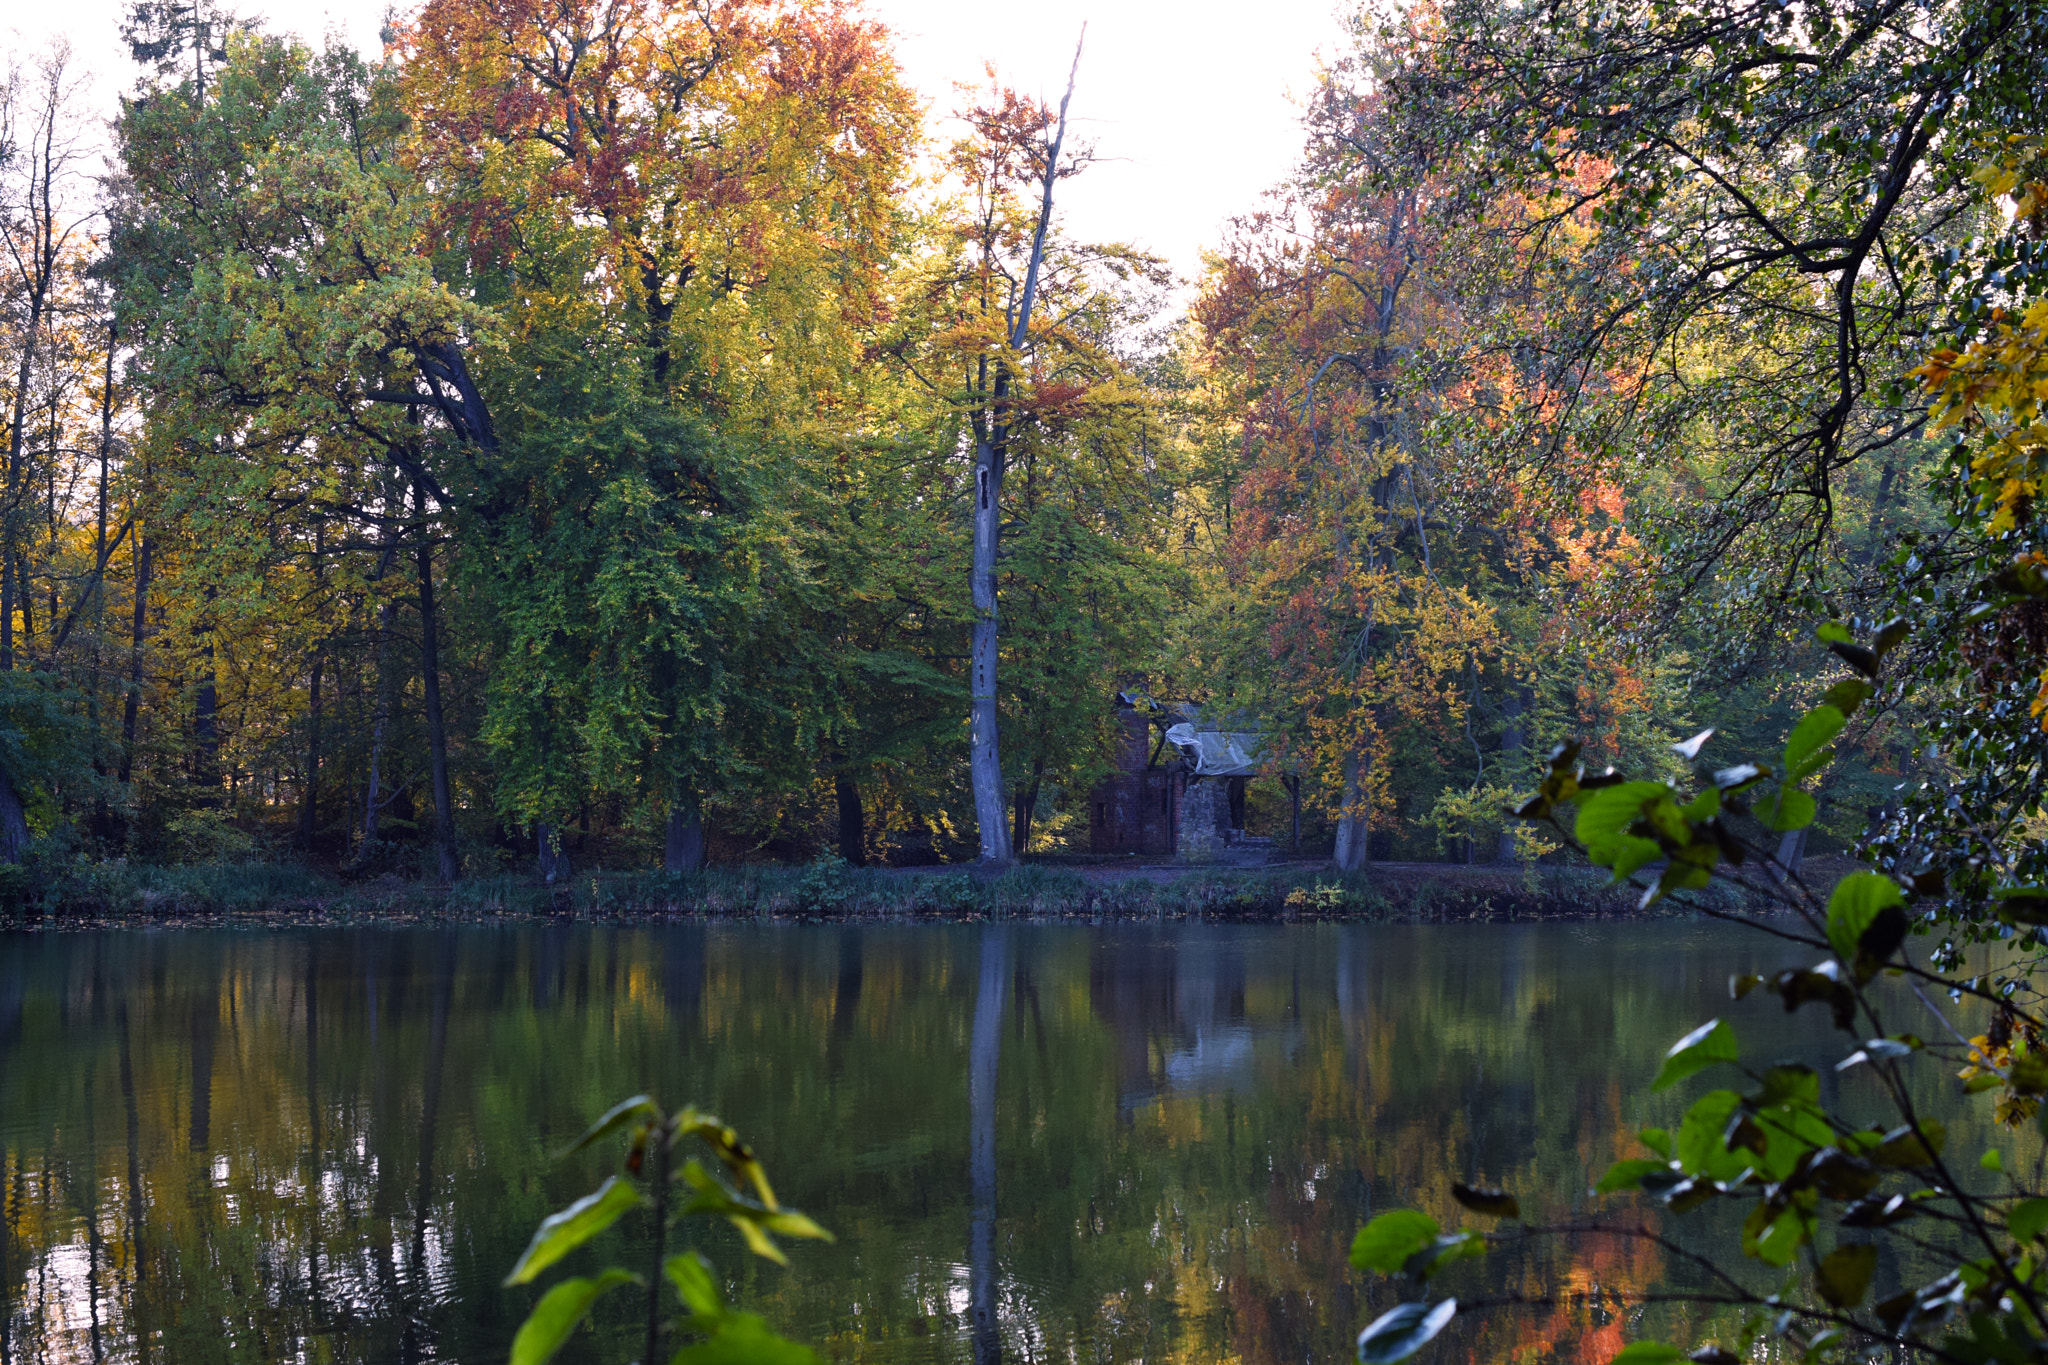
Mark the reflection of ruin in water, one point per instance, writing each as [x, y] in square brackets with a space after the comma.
[1176, 1007]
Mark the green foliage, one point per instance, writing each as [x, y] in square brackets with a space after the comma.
[706, 1330]
[1388, 1242]
[1711, 1043]
[1819, 1193]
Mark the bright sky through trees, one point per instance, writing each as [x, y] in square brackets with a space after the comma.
[1195, 108]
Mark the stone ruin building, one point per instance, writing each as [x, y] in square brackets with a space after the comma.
[1179, 787]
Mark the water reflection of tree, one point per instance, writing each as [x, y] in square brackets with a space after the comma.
[353, 1191]
[991, 994]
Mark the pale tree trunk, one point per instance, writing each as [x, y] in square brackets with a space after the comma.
[1354, 829]
[985, 758]
[430, 676]
[985, 763]
[1791, 849]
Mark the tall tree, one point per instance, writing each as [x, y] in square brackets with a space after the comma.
[747, 215]
[1774, 185]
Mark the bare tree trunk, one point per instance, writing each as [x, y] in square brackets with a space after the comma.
[13, 823]
[309, 803]
[683, 849]
[1877, 506]
[131, 704]
[36, 270]
[373, 806]
[853, 841]
[1791, 849]
[1511, 743]
[205, 728]
[1292, 781]
[985, 763]
[1026, 806]
[1354, 830]
[430, 677]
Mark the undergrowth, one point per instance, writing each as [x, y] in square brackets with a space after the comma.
[820, 890]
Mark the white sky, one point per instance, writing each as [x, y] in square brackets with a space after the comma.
[1191, 103]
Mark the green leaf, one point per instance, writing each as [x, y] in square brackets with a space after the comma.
[1993, 1160]
[1605, 814]
[1853, 908]
[1492, 1203]
[615, 1118]
[744, 1339]
[1648, 1353]
[561, 1233]
[1657, 1140]
[1459, 1246]
[1833, 632]
[1626, 855]
[1864, 661]
[1666, 818]
[1774, 1240]
[1904, 1147]
[1809, 738]
[1398, 1334]
[558, 1314]
[2021, 904]
[695, 1284]
[1628, 1175]
[1793, 809]
[1843, 1277]
[790, 1223]
[1701, 1136]
[1789, 1083]
[1848, 694]
[1386, 1243]
[1711, 1043]
[2028, 1219]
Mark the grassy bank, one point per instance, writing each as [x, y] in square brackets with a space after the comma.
[137, 893]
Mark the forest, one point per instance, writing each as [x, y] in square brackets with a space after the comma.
[648, 433]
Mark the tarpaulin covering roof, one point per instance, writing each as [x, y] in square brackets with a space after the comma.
[1216, 753]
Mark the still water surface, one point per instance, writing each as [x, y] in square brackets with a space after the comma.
[1034, 1143]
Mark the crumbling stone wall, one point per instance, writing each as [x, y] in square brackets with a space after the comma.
[1204, 817]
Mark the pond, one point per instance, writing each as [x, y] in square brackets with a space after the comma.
[1108, 1143]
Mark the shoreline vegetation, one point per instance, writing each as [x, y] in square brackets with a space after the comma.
[261, 894]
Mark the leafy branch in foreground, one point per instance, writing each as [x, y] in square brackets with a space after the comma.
[708, 1330]
[1825, 1192]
